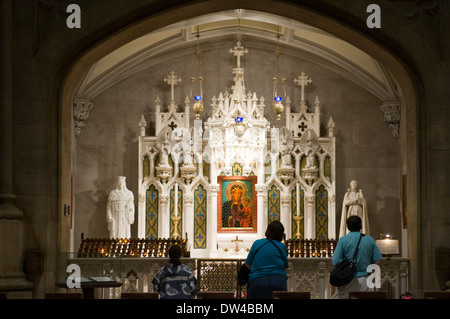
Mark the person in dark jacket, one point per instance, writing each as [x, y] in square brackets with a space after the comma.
[175, 280]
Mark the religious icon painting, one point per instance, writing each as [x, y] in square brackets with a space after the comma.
[236, 204]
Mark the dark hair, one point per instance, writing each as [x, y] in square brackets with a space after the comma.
[175, 255]
[354, 223]
[275, 230]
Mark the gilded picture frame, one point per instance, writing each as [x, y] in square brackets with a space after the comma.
[237, 204]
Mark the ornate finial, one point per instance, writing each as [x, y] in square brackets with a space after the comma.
[143, 125]
[331, 126]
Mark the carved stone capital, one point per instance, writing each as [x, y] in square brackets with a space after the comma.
[260, 188]
[81, 108]
[310, 199]
[332, 198]
[164, 199]
[391, 110]
[285, 200]
[188, 199]
[214, 188]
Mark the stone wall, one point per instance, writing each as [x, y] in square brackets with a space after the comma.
[48, 60]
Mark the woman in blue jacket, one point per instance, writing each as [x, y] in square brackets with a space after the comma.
[267, 261]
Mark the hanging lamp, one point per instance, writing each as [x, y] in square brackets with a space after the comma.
[277, 104]
[198, 104]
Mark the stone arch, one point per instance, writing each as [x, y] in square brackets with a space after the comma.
[388, 50]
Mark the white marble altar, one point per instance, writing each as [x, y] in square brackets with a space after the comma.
[294, 169]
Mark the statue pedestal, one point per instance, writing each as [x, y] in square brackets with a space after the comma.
[188, 173]
[286, 173]
[310, 174]
[164, 172]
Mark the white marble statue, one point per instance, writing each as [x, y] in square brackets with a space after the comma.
[286, 145]
[354, 204]
[310, 151]
[309, 145]
[120, 210]
[164, 144]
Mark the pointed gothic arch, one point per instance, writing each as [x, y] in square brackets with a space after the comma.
[323, 20]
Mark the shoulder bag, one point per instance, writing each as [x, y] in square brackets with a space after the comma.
[344, 272]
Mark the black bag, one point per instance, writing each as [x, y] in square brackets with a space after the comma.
[344, 272]
[243, 274]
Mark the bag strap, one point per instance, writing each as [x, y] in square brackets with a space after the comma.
[357, 246]
[256, 251]
[279, 250]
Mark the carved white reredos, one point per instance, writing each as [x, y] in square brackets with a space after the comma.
[223, 146]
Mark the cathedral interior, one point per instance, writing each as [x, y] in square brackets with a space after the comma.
[88, 92]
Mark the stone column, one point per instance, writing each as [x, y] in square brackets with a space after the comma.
[285, 215]
[188, 218]
[309, 220]
[164, 224]
[212, 217]
[12, 277]
[403, 268]
[321, 274]
[261, 212]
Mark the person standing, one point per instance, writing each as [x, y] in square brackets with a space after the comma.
[175, 280]
[368, 253]
[267, 261]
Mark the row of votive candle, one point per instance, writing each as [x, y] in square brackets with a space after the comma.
[310, 247]
[130, 247]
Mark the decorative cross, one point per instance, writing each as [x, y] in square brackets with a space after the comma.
[152, 195]
[200, 215]
[172, 125]
[237, 240]
[274, 196]
[274, 215]
[172, 81]
[302, 80]
[303, 126]
[321, 195]
[238, 51]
